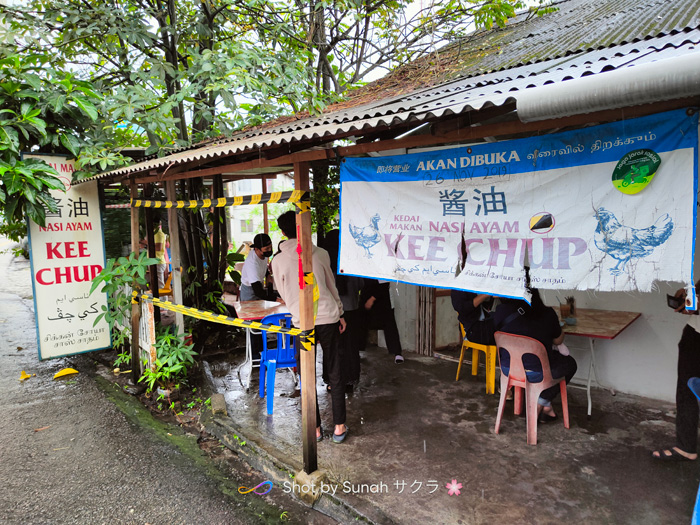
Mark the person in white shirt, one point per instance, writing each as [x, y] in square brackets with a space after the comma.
[329, 322]
[255, 270]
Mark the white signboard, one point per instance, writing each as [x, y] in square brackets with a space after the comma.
[147, 336]
[66, 255]
[610, 208]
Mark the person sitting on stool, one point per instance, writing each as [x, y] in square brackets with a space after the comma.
[252, 279]
[473, 312]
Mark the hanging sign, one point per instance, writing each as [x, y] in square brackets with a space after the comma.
[570, 204]
[66, 255]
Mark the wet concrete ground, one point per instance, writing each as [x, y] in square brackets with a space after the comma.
[79, 450]
[413, 430]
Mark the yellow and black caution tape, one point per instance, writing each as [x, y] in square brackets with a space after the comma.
[303, 205]
[298, 197]
[307, 341]
[217, 318]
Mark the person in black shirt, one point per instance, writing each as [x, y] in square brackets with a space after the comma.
[539, 322]
[472, 312]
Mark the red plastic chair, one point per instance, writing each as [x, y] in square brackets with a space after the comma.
[517, 346]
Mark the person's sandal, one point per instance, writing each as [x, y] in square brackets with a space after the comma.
[673, 455]
[339, 438]
[546, 418]
[320, 437]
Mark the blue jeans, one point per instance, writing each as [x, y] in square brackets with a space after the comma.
[560, 365]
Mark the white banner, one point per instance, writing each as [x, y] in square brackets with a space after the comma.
[610, 208]
[66, 255]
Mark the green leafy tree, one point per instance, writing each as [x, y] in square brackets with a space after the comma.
[175, 72]
[30, 119]
[171, 71]
[346, 42]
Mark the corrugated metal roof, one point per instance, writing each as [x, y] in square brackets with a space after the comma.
[583, 38]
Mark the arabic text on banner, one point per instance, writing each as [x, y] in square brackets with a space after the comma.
[66, 255]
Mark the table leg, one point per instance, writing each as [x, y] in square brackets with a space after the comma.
[595, 368]
[247, 364]
[592, 375]
[591, 371]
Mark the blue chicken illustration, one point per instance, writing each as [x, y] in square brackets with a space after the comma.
[624, 243]
[367, 236]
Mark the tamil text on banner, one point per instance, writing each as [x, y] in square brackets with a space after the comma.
[66, 255]
[610, 208]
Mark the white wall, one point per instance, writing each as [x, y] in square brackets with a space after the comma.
[446, 324]
[641, 361]
[406, 311]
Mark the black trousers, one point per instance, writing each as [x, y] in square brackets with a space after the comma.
[381, 317]
[353, 341]
[560, 365]
[328, 335]
[481, 332]
[686, 402]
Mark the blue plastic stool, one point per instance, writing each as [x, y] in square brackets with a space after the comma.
[283, 356]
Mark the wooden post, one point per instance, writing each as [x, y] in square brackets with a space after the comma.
[135, 308]
[151, 247]
[306, 320]
[266, 219]
[174, 232]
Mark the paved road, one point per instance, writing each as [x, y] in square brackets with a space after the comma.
[76, 451]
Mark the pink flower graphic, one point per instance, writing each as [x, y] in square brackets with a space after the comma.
[453, 488]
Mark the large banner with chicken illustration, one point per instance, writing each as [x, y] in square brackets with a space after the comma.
[609, 208]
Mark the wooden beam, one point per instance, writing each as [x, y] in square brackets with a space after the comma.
[306, 321]
[443, 132]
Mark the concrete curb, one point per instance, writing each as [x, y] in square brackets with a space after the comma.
[346, 508]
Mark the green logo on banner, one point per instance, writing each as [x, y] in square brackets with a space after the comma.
[635, 170]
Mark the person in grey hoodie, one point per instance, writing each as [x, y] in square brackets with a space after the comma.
[329, 322]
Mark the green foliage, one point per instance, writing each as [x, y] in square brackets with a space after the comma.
[117, 279]
[25, 189]
[43, 110]
[116, 223]
[174, 357]
[232, 258]
[175, 72]
[325, 199]
[171, 72]
[16, 231]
